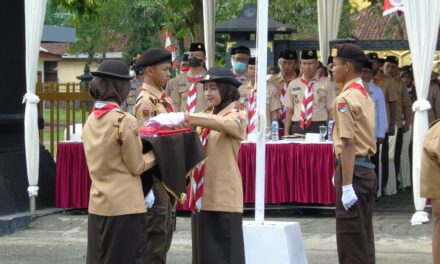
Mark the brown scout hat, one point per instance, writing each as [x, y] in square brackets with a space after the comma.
[113, 69]
[153, 57]
[350, 52]
[221, 74]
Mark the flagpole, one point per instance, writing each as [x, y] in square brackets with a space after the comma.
[209, 31]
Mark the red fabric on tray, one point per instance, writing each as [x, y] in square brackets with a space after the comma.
[162, 132]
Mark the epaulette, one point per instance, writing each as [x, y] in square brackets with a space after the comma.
[157, 101]
[138, 99]
[117, 126]
[434, 122]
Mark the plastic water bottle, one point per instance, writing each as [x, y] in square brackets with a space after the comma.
[274, 130]
[330, 129]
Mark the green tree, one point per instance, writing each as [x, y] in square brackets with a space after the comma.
[104, 31]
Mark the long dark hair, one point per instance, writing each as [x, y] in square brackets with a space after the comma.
[228, 93]
[109, 89]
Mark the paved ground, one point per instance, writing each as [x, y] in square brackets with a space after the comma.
[61, 237]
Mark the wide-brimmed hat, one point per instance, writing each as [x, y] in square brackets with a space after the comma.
[221, 74]
[113, 69]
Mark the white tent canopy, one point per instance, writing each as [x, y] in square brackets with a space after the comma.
[329, 15]
[422, 20]
[34, 20]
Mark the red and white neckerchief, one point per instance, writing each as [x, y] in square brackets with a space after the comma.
[358, 85]
[307, 104]
[251, 112]
[283, 108]
[196, 192]
[101, 108]
[166, 103]
[191, 100]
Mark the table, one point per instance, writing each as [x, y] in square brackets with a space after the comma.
[72, 182]
[296, 172]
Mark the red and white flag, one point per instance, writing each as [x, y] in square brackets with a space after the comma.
[169, 47]
[391, 6]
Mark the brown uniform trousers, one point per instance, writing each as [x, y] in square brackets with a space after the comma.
[354, 228]
[159, 225]
[159, 217]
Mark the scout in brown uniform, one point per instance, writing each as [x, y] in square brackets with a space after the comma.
[287, 62]
[216, 184]
[391, 99]
[309, 100]
[184, 63]
[430, 182]
[434, 99]
[354, 144]
[239, 60]
[152, 101]
[113, 149]
[273, 94]
[390, 84]
[135, 86]
[185, 90]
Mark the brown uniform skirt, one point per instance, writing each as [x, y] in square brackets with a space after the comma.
[217, 238]
[117, 239]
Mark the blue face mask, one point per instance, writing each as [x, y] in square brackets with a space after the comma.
[239, 67]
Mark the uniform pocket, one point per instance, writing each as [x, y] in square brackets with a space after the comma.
[364, 180]
[347, 221]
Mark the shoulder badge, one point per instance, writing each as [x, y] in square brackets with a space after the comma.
[342, 107]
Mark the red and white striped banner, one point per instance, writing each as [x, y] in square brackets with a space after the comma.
[169, 47]
[391, 6]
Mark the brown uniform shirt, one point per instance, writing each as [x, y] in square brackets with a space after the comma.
[434, 100]
[430, 168]
[114, 169]
[390, 92]
[177, 88]
[353, 114]
[403, 100]
[278, 80]
[222, 183]
[150, 103]
[273, 102]
[323, 98]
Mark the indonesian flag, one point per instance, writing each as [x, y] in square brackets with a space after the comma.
[391, 6]
[169, 47]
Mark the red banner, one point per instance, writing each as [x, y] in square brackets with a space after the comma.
[391, 6]
[169, 47]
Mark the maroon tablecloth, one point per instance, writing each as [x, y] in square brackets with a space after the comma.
[295, 172]
[72, 176]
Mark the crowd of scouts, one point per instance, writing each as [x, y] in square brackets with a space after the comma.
[368, 98]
